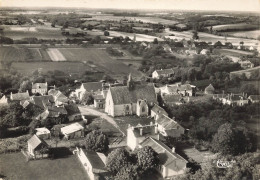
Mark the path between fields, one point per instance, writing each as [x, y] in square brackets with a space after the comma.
[87, 110]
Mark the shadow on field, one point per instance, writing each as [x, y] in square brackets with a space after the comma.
[60, 152]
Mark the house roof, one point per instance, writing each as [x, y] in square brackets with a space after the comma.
[92, 86]
[42, 101]
[40, 86]
[156, 108]
[3, 100]
[171, 98]
[210, 88]
[35, 141]
[167, 158]
[122, 94]
[71, 128]
[96, 160]
[20, 96]
[254, 97]
[58, 95]
[40, 131]
[98, 97]
[165, 71]
[167, 123]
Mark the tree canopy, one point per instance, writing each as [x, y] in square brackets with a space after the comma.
[96, 141]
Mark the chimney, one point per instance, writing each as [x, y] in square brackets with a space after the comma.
[141, 131]
[156, 129]
[173, 149]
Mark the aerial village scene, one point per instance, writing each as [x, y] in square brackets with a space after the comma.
[129, 90]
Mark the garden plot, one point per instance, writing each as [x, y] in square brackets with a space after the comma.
[55, 55]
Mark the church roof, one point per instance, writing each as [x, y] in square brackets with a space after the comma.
[122, 94]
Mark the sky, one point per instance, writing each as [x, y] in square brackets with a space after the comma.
[233, 5]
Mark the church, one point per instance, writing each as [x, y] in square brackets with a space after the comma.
[132, 99]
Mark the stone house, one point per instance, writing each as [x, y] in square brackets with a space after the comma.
[3, 101]
[235, 99]
[209, 89]
[123, 100]
[59, 98]
[41, 88]
[182, 89]
[157, 74]
[37, 147]
[19, 96]
[93, 88]
[71, 131]
[156, 111]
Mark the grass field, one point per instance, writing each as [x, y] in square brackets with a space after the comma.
[233, 52]
[27, 68]
[40, 32]
[239, 26]
[139, 37]
[100, 58]
[55, 55]
[246, 34]
[14, 167]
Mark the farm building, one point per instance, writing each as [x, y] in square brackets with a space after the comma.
[122, 100]
[90, 87]
[136, 134]
[20, 96]
[71, 131]
[209, 89]
[156, 111]
[235, 99]
[182, 89]
[99, 101]
[59, 98]
[171, 163]
[43, 133]
[254, 98]
[93, 162]
[37, 147]
[157, 74]
[40, 88]
[169, 127]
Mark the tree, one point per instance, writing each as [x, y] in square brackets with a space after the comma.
[117, 159]
[249, 89]
[155, 41]
[106, 33]
[129, 172]
[13, 115]
[147, 158]
[96, 141]
[195, 35]
[25, 85]
[3, 130]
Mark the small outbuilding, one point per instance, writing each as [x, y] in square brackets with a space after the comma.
[43, 133]
[209, 89]
[74, 130]
[37, 147]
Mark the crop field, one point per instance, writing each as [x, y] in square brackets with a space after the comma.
[27, 68]
[208, 37]
[55, 55]
[100, 58]
[15, 167]
[40, 32]
[234, 52]
[246, 34]
[19, 54]
[239, 26]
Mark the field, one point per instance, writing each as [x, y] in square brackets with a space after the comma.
[27, 68]
[153, 20]
[19, 54]
[139, 37]
[239, 26]
[208, 37]
[55, 55]
[14, 167]
[246, 34]
[100, 58]
[40, 32]
[234, 52]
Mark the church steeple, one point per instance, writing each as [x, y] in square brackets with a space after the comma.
[130, 82]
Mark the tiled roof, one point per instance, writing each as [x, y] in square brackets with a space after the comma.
[98, 97]
[147, 131]
[167, 158]
[122, 94]
[156, 108]
[58, 95]
[71, 128]
[40, 86]
[171, 98]
[42, 101]
[35, 141]
[20, 96]
[167, 122]
[95, 160]
[92, 86]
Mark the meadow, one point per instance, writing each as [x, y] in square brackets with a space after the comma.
[246, 34]
[239, 26]
[14, 167]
